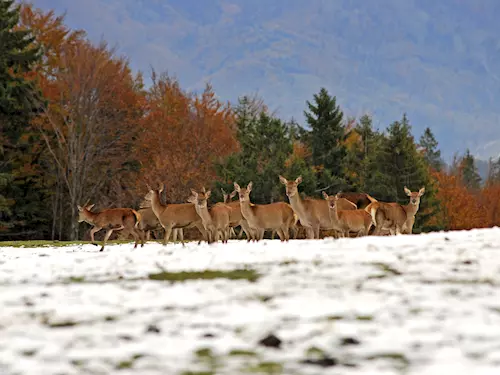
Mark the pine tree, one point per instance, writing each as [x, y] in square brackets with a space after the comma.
[431, 153]
[19, 101]
[469, 173]
[403, 165]
[265, 147]
[493, 171]
[326, 138]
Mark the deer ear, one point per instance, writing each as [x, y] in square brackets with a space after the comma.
[207, 193]
[249, 186]
[421, 192]
[191, 199]
[407, 191]
[298, 180]
[325, 195]
[233, 193]
[194, 193]
[89, 207]
[80, 208]
[237, 187]
[223, 191]
[283, 180]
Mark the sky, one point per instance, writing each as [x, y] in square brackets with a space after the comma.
[438, 61]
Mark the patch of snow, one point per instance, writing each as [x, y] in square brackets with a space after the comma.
[421, 304]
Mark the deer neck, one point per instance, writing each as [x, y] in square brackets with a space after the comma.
[297, 204]
[205, 216]
[411, 209]
[91, 217]
[156, 205]
[246, 210]
[334, 214]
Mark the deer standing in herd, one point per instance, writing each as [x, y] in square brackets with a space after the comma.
[313, 214]
[336, 212]
[396, 218]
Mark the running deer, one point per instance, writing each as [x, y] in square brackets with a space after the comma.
[235, 217]
[394, 217]
[111, 219]
[174, 215]
[345, 221]
[216, 219]
[261, 217]
[313, 214]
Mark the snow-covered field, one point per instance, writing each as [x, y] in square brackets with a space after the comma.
[426, 304]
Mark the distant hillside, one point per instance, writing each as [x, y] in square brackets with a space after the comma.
[482, 168]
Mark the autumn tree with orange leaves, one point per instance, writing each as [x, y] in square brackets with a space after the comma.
[182, 136]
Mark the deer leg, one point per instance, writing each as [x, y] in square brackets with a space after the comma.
[106, 237]
[92, 232]
[316, 231]
[148, 235]
[168, 231]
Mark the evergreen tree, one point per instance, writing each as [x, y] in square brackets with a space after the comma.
[493, 171]
[403, 165]
[469, 173]
[19, 102]
[265, 147]
[431, 153]
[326, 138]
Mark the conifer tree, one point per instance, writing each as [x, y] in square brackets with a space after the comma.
[19, 101]
[326, 138]
[469, 173]
[431, 153]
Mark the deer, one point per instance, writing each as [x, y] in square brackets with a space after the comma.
[216, 219]
[394, 217]
[174, 215]
[111, 219]
[278, 216]
[235, 217]
[313, 214]
[344, 221]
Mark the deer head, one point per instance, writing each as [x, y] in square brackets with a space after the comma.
[414, 196]
[244, 193]
[331, 199]
[200, 199]
[291, 186]
[82, 212]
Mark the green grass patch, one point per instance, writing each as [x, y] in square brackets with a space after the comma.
[128, 363]
[241, 274]
[197, 373]
[399, 359]
[387, 269]
[242, 353]
[364, 317]
[270, 368]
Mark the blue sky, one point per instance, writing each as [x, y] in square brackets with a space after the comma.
[438, 61]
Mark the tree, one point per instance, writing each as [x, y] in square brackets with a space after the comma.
[265, 147]
[19, 102]
[493, 172]
[183, 136]
[431, 153]
[326, 138]
[469, 173]
[401, 164]
[89, 124]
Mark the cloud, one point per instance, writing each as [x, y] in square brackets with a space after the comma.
[435, 61]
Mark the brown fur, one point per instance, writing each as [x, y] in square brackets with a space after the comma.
[312, 213]
[357, 221]
[394, 217]
[261, 217]
[172, 216]
[112, 219]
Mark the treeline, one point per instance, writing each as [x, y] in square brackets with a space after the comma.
[78, 124]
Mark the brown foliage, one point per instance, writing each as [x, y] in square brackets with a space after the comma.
[182, 136]
[459, 208]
